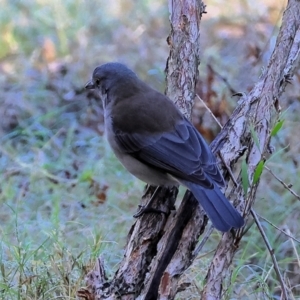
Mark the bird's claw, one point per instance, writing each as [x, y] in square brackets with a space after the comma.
[146, 210]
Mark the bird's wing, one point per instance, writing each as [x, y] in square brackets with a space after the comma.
[182, 153]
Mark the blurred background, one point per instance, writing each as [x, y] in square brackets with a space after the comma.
[64, 198]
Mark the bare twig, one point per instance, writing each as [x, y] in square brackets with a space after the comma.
[282, 231]
[286, 186]
[271, 251]
[204, 240]
[211, 113]
[223, 78]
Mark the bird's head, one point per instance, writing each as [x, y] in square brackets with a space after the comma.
[111, 80]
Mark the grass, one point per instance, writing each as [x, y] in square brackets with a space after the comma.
[52, 224]
[64, 198]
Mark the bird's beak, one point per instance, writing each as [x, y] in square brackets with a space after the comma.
[90, 85]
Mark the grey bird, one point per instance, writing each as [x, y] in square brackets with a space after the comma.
[157, 144]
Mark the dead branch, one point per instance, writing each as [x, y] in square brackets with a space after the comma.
[280, 230]
[286, 186]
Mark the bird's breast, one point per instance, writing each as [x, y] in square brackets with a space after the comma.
[146, 173]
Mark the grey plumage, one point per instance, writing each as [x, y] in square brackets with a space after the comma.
[157, 144]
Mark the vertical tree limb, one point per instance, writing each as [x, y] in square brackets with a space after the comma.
[184, 58]
[259, 109]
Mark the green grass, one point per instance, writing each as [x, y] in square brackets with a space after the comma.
[52, 225]
[55, 166]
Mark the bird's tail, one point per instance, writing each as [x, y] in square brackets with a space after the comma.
[220, 211]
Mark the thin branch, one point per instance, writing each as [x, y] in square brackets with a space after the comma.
[211, 113]
[271, 251]
[204, 240]
[223, 78]
[276, 227]
[284, 184]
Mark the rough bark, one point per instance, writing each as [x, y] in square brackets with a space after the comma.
[161, 247]
[184, 57]
[259, 109]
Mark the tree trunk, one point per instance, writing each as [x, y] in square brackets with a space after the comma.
[161, 247]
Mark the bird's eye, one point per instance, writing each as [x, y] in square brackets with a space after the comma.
[97, 82]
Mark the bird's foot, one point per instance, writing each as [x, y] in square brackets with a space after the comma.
[148, 208]
[145, 209]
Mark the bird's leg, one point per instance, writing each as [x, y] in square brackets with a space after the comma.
[147, 208]
[147, 188]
